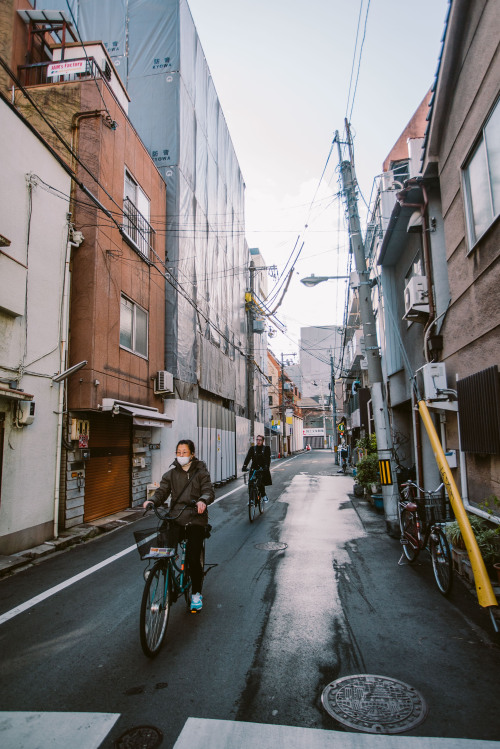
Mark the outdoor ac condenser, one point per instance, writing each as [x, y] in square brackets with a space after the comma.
[416, 299]
[164, 382]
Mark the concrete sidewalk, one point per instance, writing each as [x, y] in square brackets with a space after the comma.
[68, 539]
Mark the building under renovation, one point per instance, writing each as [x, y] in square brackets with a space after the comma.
[174, 107]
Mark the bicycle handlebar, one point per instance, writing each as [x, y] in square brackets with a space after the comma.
[156, 509]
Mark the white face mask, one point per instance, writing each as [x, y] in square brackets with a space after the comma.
[183, 461]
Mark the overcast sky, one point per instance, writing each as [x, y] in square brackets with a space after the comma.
[287, 73]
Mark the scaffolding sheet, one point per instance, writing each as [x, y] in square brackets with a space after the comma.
[175, 109]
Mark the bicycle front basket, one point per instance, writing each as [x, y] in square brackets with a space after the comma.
[151, 544]
[435, 509]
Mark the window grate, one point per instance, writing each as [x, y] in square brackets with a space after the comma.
[479, 411]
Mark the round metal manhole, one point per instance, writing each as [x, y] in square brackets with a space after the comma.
[140, 737]
[271, 546]
[374, 704]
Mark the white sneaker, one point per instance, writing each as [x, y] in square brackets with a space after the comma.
[196, 602]
[265, 498]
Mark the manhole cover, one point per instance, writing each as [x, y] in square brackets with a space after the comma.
[374, 704]
[271, 546]
[140, 737]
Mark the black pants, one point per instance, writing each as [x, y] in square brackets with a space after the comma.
[194, 534]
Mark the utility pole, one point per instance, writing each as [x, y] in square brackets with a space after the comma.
[283, 418]
[380, 412]
[334, 412]
[251, 354]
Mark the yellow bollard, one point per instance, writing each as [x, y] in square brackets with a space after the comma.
[484, 590]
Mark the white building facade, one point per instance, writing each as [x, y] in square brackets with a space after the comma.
[34, 283]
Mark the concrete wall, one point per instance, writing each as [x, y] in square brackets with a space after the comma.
[29, 343]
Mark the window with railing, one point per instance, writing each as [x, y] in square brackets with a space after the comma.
[136, 226]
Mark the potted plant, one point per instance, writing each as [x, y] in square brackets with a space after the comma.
[488, 541]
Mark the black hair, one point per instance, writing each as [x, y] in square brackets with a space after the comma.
[189, 443]
[261, 437]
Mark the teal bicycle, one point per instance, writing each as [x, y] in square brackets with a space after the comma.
[167, 580]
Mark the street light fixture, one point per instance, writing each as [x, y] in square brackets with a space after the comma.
[313, 280]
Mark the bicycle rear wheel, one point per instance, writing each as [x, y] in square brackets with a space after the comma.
[155, 609]
[252, 499]
[441, 560]
[409, 534]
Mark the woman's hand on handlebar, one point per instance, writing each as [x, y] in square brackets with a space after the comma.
[201, 507]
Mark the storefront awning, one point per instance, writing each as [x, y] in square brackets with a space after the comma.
[146, 417]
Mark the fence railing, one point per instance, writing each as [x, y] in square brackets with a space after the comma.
[137, 229]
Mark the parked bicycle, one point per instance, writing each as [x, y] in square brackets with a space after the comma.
[166, 581]
[254, 492]
[422, 523]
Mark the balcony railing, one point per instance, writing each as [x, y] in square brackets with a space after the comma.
[39, 73]
[137, 229]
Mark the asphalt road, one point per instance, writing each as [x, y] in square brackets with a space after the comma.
[276, 628]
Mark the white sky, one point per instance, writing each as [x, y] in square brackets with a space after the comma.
[282, 71]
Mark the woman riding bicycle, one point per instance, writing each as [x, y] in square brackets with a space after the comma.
[186, 481]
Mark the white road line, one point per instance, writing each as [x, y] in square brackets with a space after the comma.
[52, 591]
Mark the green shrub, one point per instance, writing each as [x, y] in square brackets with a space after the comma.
[488, 538]
[367, 471]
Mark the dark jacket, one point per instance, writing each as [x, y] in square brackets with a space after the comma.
[173, 482]
[260, 457]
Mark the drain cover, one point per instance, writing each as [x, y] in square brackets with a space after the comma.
[271, 546]
[140, 737]
[374, 704]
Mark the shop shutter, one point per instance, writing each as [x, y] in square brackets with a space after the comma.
[108, 471]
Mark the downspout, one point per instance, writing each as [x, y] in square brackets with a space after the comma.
[75, 124]
[422, 207]
[62, 384]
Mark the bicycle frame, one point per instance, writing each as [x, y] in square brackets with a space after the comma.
[420, 529]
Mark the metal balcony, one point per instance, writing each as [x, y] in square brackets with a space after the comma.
[137, 230]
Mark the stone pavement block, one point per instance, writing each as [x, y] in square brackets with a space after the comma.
[201, 733]
[8, 563]
[31, 730]
[38, 551]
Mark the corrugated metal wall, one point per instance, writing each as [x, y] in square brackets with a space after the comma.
[217, 440]
[479, 411]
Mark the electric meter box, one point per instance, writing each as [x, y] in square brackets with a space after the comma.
[25, 412]
[434, 376]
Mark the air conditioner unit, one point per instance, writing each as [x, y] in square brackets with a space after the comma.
[416, 299]
[434, 379]
[25, 412]
[164, 382]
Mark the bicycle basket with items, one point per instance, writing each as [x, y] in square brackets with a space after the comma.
[153, 543]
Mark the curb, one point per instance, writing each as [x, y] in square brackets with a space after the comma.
[68, 539]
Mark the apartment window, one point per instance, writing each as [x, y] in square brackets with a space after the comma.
[481, 179]
[133, 327]
[136, 215]
[400, 170]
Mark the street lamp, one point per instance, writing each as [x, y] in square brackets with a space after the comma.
[313, 280]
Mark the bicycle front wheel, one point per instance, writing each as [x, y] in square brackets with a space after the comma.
[409, 535]
[252, 499]
[441, 560]
[155, 609]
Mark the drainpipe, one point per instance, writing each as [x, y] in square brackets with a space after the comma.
[62, 384]
[422, 207]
